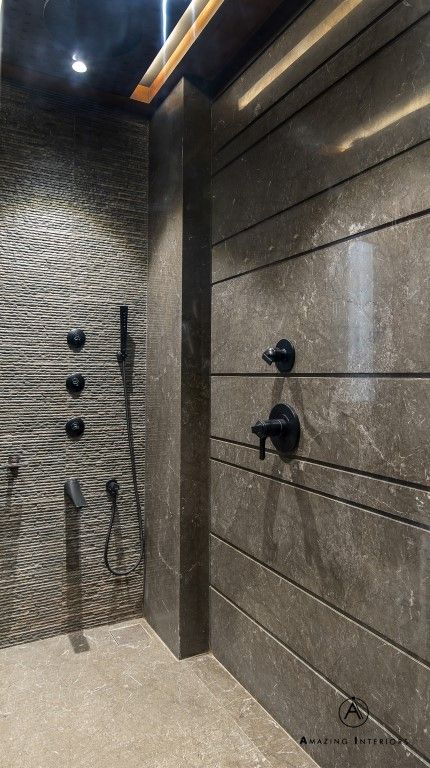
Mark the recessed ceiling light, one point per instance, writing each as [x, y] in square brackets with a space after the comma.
[79, 66]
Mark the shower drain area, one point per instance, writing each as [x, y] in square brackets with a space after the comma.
[115, 697]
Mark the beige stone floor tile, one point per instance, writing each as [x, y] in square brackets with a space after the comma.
[270, 738]
[115, 697]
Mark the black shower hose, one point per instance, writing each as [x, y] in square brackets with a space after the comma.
[140, 520]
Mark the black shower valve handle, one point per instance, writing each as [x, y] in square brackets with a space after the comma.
[259, 429]
[283, 355]
[283, 428]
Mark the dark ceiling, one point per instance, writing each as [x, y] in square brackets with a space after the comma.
[125, 36]
[117, 54]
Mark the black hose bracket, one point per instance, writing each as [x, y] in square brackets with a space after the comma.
[112, 488]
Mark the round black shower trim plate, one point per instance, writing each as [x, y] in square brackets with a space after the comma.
[75, 383]
[75, 427]
[289, 441]
[76, 338]
[285, 366]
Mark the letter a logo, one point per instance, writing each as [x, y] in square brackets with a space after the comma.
[353, 712]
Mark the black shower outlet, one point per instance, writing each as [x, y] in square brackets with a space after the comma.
[76, 338]
[75, 383]
[75, 427]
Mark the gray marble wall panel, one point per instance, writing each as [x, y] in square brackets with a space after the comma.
[338, 306]
[323, 151]
[269, 599]
[299, 698]
[372, 200]
[314, 36]
[164, 371]
[73, 246]
[195, 375]
[375, 425]
[387, 26]
[320, 228]
[391, 498]
[176, 585]
[335, 550]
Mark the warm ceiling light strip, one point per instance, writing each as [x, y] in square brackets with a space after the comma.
[170, 44]
[313, 37]
[147, 93]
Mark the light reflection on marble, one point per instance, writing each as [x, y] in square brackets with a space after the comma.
[365, 202]
[240, 133]
[312, 38]
[266, 179]
[386, 119]
[359, 299]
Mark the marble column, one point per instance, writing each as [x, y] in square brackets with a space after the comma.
[177, 479]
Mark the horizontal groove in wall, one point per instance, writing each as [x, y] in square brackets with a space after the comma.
[333, 497]
[266, 110]
[270, 599]
[394, 498]
[360, 472]
[313, 669]
[321, 600]
[266, 179]
[317, 375]
[327, 189]
[260, 53]
[363, 424]
[349, 556]
[321, 93]
[337, 241]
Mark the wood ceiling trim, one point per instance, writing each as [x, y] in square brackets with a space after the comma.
[146, 94]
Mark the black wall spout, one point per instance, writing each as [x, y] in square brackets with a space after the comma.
[283, 355]
[72, 490]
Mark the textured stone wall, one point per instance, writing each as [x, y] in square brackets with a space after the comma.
[73, 246]
[320, 560]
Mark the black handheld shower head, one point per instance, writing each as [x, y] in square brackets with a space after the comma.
[123, 319]
[112, 487]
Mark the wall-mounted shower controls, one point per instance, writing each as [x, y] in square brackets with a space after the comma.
[72, 490]
[76, 338]
[283, 355]
[283, 428]
[14, 463]
[75, 383]
[75, 427]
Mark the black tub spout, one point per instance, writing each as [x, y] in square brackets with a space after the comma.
[72, 490]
